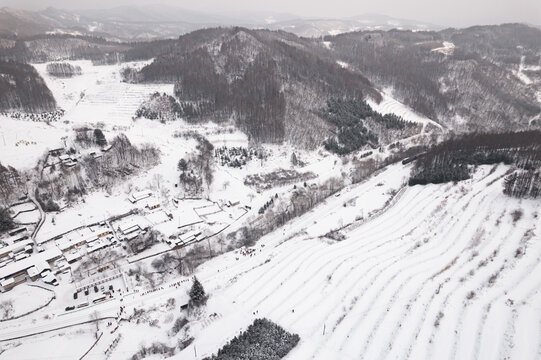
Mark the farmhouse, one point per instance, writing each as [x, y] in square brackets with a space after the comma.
[107, 148]
[190, 236]
[73, 256]
[98, 245]
[66, 244]
[64, 157]
[132, 236]
[153, 204]
[129, 227]
[56, 152]
[140, 195]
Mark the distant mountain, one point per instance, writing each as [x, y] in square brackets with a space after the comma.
[162, 21]
[322, 27]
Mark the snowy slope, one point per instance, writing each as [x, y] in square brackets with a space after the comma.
[390, 105]
[436, 275]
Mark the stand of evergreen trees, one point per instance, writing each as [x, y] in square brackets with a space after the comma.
[449, 160]
[21, 88]
[347, 116]
[263, 340]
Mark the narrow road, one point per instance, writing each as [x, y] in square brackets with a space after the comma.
[41, 217]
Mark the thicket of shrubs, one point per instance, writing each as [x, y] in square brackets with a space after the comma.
[263, 340]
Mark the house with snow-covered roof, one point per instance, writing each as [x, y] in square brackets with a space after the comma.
[140, 195]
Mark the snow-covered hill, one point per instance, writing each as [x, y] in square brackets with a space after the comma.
[444, 272]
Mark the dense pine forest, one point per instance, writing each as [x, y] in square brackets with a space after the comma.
[21, 88]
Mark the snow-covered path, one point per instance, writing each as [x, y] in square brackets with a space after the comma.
[436, 275]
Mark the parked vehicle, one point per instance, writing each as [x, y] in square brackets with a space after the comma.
[82, 305]
[75, 295]
[101, 298]
[69, 308]
[96, 288]
[86, 291]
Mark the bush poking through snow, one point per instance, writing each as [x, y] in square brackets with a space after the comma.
[516, 215]
[6, 309]
[262, 340]
[178, 325]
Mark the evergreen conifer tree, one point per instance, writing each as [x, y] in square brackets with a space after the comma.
[197, 293]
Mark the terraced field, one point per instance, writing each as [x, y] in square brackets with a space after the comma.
[445, 272]
[98, 95]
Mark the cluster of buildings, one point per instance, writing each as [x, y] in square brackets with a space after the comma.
[60, 156]
[30, 268]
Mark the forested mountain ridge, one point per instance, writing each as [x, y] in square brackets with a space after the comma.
[479, 78]
[270, 83]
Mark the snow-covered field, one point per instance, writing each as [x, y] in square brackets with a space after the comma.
[26, 298]
[437, 275]
[71, 343]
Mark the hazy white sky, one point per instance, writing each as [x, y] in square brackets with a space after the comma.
[448, 12]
